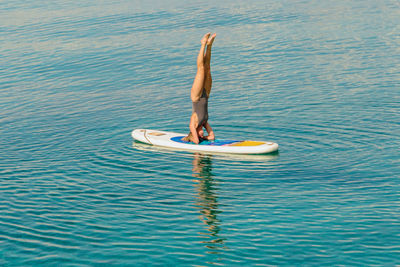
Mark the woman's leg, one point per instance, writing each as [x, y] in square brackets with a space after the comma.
[207, 67]
[198, 82]
[208, 82]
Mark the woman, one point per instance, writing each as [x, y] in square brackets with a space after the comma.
[200, 93]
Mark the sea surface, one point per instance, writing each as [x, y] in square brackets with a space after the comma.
[321, 78]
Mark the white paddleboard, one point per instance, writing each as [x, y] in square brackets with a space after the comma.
[173, 140]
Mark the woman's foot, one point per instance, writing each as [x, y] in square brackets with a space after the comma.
[211, 39]
[204, 40]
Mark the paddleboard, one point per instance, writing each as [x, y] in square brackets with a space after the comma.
[174, 140]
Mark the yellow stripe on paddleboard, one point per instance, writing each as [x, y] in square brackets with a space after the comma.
[248, 143]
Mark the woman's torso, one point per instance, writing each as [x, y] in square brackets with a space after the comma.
[201, 108]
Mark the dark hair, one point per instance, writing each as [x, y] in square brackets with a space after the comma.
[188, 138]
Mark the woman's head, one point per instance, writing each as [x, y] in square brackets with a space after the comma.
[188, 138]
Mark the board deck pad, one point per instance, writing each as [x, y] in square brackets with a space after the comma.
[205, 142]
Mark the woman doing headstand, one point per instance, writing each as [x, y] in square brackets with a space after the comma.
[200, 93]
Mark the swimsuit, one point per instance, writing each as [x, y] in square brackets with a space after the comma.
[201, 108]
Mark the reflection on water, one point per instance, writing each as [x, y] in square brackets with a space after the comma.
[207, 202]
[261, 158]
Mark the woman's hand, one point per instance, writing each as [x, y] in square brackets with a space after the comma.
[210, 136]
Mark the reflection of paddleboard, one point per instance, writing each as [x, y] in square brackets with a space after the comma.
[262, 158]
[173, 140]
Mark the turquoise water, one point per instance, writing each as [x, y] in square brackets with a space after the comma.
[320, 78]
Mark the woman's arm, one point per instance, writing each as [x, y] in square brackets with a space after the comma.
[195, 137]
[209, 131]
